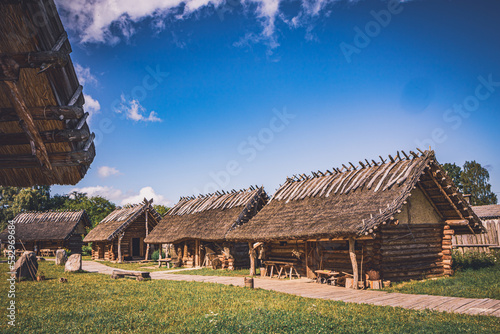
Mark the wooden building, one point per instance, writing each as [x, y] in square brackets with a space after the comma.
[197, 226]
[482, 242]
[44, 137]
[394, 216]
[120, 236]
[52, 230]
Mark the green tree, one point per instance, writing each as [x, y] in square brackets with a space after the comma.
[454, 172]
[14, 200]
[161, 209]
[474, 180]
[97, 207]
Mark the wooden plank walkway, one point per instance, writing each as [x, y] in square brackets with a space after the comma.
[308, 289]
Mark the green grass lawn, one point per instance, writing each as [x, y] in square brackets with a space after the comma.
[470, 283]
[218, 272]
[95, 303]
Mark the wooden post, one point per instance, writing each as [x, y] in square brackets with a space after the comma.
[159, 251]
[185, 252]
[197, 253]
[252, 259]
[352, 254]
[120, 237]
[147, 232]
[309, 273]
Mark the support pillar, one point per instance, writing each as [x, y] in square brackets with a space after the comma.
[120, 258]
[252, 259]
[352, 254]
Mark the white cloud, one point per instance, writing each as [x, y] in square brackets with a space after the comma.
[135, 111]
[92, 106]
[119, 197]
[148, 193]
[108, 21]
[84, 75]
[106, 171]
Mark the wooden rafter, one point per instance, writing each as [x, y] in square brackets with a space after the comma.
[44, 113]
[37, 145]
[447, 196]
[11, 63]
[54, 136]
[56, 159]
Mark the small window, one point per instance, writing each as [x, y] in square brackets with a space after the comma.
[282, 243]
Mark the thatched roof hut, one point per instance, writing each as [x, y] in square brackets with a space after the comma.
[208, 217]
[202, 222]
[44, 137]
[50, 230]
[356, 201]
[132, 224]
[407, 200]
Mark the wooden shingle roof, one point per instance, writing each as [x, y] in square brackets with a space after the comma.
[487, 211]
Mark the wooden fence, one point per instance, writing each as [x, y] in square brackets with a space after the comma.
[483, 242]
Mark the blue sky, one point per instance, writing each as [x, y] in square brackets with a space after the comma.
[189, 96]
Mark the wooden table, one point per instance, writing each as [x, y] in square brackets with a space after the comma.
[47, 252]
[165, 261]
[282, 268]
[327, 276]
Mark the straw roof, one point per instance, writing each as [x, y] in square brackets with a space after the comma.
[487, 211]
[44, 137]
[47, 226]
[208, 217]
[118, 221]
[355, 200]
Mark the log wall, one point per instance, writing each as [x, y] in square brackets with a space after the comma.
[414, 251]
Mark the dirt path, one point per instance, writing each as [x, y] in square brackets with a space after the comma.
[306, 288]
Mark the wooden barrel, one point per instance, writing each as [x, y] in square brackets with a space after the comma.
[249, 282]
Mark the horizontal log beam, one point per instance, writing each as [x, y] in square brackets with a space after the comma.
[60, 159]
[11, 63]
[55, 136]
[44, 113]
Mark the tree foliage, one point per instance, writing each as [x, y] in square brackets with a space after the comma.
[472, 179]
[161, 209]
[97, 207]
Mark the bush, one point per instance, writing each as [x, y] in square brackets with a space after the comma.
[474, 260]
[87, 249]
[156, 255]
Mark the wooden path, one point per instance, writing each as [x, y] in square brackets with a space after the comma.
[308, 289]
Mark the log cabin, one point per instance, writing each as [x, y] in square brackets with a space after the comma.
[120, 235]
[197, 226]
[484, 242]
[44, 136]
[395, 216]
[45, 232]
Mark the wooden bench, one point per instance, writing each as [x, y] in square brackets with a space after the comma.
[139, 275]
[47, 252]
[327, 276]
[286, 268]
[165, 261]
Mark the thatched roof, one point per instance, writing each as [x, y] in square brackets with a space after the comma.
[47, 226]
[487, 211]
[118, 221]
[355, 200]
[208, 217]
[44, 137]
